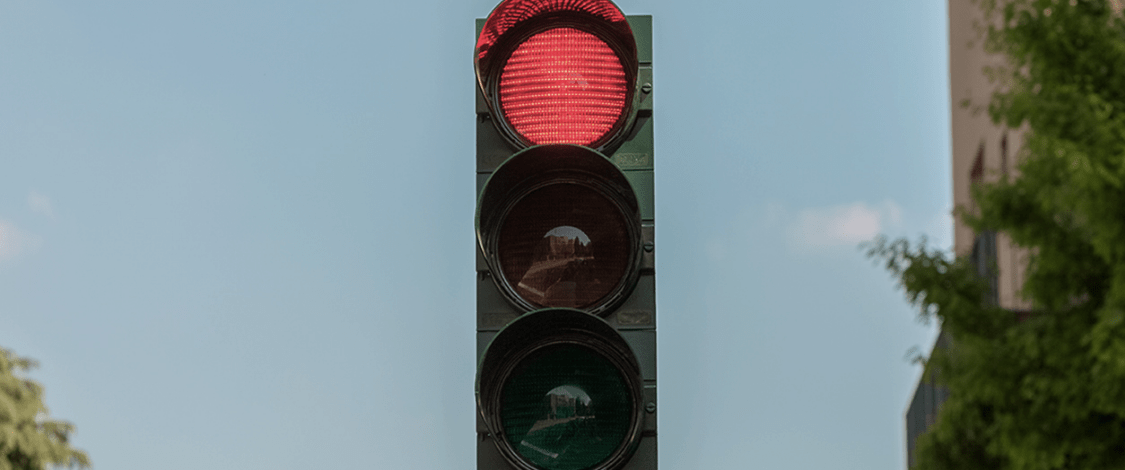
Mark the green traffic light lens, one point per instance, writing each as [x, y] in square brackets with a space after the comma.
[566, 407]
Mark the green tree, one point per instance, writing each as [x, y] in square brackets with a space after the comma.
[1046, 391]
[28, 440]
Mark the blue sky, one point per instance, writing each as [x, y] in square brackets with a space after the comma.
[239, 234]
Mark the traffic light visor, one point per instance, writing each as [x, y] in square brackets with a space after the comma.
[558, 71]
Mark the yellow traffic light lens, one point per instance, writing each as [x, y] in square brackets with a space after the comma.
[564, 245]
[559, 226]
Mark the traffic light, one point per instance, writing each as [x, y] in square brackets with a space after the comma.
[566, 287]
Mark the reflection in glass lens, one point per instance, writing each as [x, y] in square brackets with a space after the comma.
[564, 245]
[565, 407]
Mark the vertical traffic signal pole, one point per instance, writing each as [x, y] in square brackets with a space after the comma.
[566, 296]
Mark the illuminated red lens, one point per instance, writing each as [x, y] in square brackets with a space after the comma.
[563, 86]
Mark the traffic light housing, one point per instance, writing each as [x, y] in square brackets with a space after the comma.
[566, 304]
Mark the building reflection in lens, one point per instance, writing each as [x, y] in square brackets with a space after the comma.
[561, 264]
[567, 407]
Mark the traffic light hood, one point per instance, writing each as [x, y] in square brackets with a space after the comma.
[512, 15]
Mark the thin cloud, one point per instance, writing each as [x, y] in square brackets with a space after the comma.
[15, 242]
[940, 229]
[844, 225]
[40, 204]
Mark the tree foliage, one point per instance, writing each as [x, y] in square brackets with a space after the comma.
[28, 440]
[1046, 391]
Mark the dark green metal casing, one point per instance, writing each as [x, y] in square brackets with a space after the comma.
[634, 319]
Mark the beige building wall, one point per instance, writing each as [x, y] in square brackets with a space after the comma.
[982, 151]
[975, 137]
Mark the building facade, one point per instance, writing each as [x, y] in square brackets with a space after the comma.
[981, 152]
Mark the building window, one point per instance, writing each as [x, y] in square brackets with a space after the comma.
[984, 260]
[1004, 154]
[977, 172]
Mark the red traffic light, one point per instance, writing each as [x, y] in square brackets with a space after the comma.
[559, 71]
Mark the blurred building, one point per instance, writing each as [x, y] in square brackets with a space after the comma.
[981, 152]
